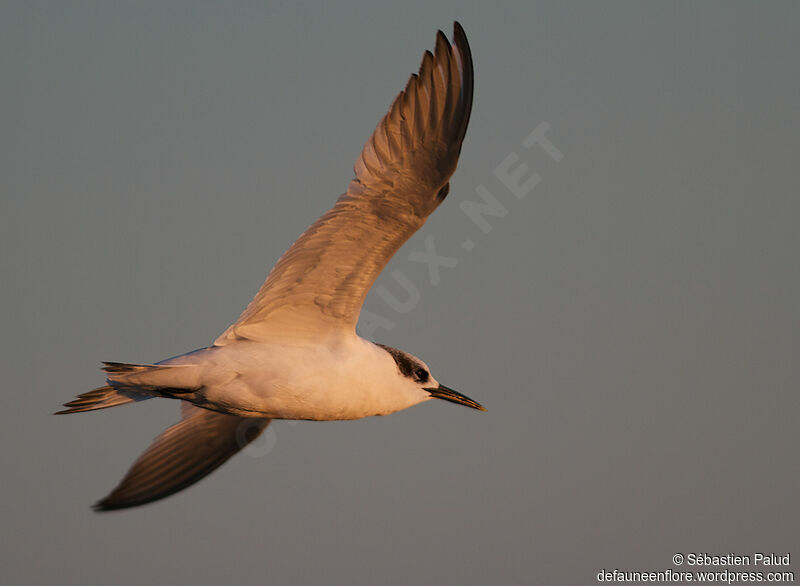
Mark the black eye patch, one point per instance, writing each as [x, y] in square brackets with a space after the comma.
[421, 375]
[408, 368]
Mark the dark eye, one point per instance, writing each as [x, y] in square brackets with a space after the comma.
[421, 375]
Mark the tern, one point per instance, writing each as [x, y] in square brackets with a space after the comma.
[294, 353]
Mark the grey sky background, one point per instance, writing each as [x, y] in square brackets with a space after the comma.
[631, 324]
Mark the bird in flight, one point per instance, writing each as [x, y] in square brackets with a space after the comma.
[294, 352]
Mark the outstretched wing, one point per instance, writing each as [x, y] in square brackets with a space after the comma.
[185, 453]
[401, 176]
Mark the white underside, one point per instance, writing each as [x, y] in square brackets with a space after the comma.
[344, 378]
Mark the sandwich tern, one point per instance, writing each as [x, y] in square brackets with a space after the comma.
[294, 352]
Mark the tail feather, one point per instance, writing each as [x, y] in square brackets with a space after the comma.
[133, 382]
[151, 378]
[127, 368]
[100, 398]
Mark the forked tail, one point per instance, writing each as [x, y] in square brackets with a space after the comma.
[128, 383]
[100, 398]
[184, 453]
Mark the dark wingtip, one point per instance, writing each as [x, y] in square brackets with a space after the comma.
[459, 36]
[107, 503]
[103, 507]
[468, 81]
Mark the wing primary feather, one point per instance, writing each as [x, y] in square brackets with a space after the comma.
[467, 80]
[183, 454]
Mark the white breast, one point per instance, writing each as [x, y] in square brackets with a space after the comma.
[345, 378]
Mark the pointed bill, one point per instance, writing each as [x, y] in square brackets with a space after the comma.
[448, 394]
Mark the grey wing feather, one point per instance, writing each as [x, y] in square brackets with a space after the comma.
[400, 179]
[183, 454]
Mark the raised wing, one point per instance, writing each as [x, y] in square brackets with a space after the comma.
[401, 176]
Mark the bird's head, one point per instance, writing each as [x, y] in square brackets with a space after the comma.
[415, 372]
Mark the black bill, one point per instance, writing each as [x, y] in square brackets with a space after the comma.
[448, 394]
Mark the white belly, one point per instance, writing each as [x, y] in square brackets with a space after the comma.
[347, 380]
